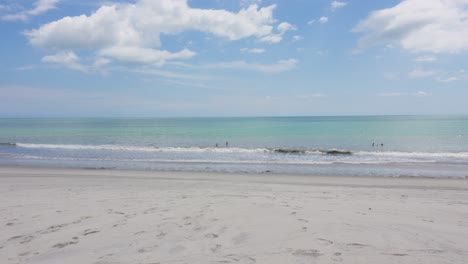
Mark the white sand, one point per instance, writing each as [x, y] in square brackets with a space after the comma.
[99, 216]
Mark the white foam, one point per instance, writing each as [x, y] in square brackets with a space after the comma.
[377, 154]
[144, 149]
[400, 154]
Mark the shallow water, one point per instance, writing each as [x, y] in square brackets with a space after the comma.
[435, 146]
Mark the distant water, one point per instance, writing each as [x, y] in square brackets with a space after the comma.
[435, 146]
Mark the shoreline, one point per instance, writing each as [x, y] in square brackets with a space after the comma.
[264, 177]
[122, 216]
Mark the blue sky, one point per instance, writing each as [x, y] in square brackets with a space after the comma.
[63, 58]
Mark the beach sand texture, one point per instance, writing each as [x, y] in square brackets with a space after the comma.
[106, 216]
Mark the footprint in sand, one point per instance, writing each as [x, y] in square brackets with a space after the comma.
[14, 237]
[161, 235]
[307, 253]
[27, 239]
[211, 235]
[239, 258]
[357, 245]
[324, 241]
[89, 232]
[65, 244]
[146, 249]
[337, 257]
[395, 254]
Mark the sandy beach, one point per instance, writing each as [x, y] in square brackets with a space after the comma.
[110, 216]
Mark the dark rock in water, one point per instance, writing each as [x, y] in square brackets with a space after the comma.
[338, 152]
[290, 151]
[8, 144]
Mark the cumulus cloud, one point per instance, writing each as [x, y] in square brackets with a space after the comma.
[323, 20]
[337, 4]
[435, 26]
[68, 59]
[282, 28]
[130, 32]
[40, 7]
[144, 55]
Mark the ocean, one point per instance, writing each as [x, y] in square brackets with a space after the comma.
[430, 146]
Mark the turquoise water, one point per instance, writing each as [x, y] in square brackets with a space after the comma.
[364, 145]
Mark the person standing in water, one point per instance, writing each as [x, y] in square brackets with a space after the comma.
[227, 144]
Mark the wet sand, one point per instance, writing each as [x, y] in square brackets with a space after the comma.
[109, 216]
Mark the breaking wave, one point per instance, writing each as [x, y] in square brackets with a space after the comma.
[288, 151]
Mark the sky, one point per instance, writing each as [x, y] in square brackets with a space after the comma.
[170, 58]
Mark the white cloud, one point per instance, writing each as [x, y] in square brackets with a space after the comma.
[397, 94]
[245, 3]
[68, 59]
[310, 22]
[422, 73]
[452, 76]
[285, 26]
[448, 79]
[421, 94]
[425, 58]
[439, 75]
[282, 28]
[144, 55]
[274, 38]
[141, 23]
[337, 4]
[296, 38]
[323, 20]
[310, 96]
[130, 32]
[40, 7]
[277, 67]
[254, 50]
[166, 74]
[436, 26]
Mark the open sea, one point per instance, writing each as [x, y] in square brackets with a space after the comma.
[431, 146]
